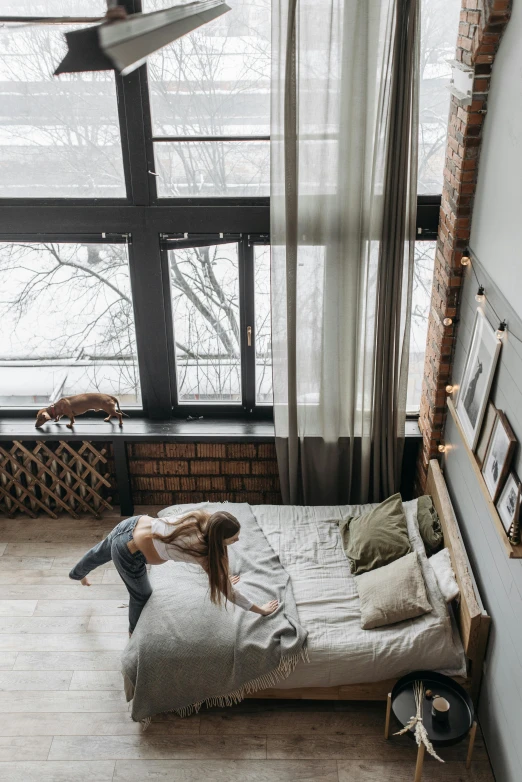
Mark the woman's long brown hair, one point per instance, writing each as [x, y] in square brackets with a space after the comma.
[202, 536]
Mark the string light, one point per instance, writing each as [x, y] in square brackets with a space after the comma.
[450, 389]
[447, 321]
[479, 296]
[465, 260]
[501, 331]
[442, 447]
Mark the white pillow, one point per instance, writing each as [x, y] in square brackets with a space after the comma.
[441, 564]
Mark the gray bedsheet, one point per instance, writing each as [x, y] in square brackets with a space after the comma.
[185, 651]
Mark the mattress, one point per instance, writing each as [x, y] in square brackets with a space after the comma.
[308, 543]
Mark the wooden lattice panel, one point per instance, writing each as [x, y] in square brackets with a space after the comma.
[53, 477]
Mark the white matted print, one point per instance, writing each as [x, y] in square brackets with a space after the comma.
[477, 377]
[508, 505]
[501, 447]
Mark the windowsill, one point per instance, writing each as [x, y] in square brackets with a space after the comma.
[139, 428]
[201, 430]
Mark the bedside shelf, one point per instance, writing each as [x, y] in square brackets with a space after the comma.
[513, 551]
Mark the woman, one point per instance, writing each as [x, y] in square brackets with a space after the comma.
[198, 537]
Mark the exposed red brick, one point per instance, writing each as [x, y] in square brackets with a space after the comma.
[204, 467]
[180, 450]
[174, 467]
[241, 451]
[235, 468]
[147, 450]
[264, 468]
[211, 450]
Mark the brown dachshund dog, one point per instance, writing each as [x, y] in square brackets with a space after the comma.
[79, 404]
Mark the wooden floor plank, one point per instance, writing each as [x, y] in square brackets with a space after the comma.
[71, 591]
[7, 660]
[25, 563]
[68, 661]
[108, 624]
[433, 771]
[157, 747]
[80, 607]
[90, 724]
[3, 546]
[43, 624]
[225, 771]
[35, 680]
[17, 607]
[17, 747]
[68, 642]
[280, 723]
[359, 747]
[96, 680]
[64, 771]
[36, 702]
[46, 577]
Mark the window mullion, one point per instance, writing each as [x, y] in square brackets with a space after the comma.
[248, 336]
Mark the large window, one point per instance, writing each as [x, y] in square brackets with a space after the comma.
[66, 323]
[164, 299]
[439, 30]
[59, 136]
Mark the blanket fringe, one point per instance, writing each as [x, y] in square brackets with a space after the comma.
[264, 682]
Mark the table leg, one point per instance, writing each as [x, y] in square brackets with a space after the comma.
[388, 715]
[420, 763]
[472, 734]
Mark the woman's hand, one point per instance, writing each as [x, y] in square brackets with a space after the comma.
[234, 579]
[269, 608]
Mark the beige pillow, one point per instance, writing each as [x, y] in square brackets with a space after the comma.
[392, 593]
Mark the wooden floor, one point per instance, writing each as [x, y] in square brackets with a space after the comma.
[63, 716]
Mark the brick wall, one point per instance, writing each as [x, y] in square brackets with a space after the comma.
[482, 23]
[171, 473]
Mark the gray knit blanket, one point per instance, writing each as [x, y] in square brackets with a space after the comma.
[186, 652]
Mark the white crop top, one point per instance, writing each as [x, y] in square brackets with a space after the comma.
[162, 527]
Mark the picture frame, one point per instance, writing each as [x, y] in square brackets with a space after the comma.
[477, 377]
[508, 506]
[499, 454]
[485, 433]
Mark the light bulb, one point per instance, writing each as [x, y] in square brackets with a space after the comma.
[479, 296]
[449, 389]
[442, 447]
[501, 331]
[465, 260]
[447, 321]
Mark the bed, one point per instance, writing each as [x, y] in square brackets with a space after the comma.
[347, 663]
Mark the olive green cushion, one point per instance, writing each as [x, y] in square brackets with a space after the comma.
[376, 538]
[429, 524]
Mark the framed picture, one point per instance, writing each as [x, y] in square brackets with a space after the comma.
[477, 378]
[501, 447]
[485, 433]
[508, 505]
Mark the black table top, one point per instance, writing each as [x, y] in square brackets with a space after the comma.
[461, 712]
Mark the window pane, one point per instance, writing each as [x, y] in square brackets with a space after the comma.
[214, 168]
[440, 23]
[216, 80]
[264, 393]
[422, 285]
[66, 323]
[59, 136]
[204, 284]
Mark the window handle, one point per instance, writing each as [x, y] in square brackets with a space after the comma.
[249, 336]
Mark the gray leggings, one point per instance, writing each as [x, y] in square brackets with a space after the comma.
[131, 567]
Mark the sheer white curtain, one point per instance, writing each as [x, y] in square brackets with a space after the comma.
[343, 172]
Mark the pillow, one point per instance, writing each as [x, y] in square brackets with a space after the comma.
[445, 575]
[377, 537]
[429, 524]
[392, 593]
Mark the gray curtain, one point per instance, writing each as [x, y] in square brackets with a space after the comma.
[343, 203]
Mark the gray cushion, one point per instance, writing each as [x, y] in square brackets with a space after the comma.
[392, 593]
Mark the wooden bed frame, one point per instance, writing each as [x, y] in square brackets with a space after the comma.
[471, 618]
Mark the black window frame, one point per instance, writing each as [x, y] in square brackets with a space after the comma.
[145, 219]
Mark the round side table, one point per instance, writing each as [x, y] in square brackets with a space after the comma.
[461, 722]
